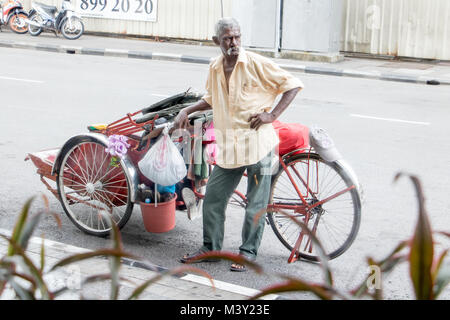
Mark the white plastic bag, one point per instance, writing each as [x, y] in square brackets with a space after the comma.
[163, 164]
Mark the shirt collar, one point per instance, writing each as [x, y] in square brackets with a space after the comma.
[241, 58]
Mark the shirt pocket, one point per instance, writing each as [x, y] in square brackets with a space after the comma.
[250, 87]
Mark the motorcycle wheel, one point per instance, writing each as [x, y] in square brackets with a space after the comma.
[33, 30]
[72, 30]
[17, 23]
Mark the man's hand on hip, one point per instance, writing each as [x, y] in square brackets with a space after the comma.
[257, 120]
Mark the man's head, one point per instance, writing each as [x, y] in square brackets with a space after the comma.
[228, 36]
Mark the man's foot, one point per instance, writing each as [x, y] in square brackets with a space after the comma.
[190, 201]
[189, 256]
[237, 267]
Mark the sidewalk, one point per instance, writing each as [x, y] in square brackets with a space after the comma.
[181, 287]
[426, 72]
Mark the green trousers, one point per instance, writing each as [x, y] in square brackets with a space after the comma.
[219, 189]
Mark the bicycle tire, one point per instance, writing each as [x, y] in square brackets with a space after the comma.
[280, 229]
[78, 177]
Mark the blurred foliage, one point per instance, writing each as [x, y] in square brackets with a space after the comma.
[26, 278]
[428, 272]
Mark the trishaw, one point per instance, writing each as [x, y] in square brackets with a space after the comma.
[325, 196]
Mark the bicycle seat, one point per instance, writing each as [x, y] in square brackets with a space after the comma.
[51, 9]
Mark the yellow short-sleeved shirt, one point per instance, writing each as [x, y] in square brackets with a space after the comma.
[254, 84]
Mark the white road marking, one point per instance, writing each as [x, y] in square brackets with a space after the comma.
[390, 119]
[228, 287]
[24, 80]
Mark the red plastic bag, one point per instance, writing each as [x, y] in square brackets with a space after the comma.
[292, 136]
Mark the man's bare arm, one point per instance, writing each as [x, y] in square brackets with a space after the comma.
[181, 119]
[257, 120]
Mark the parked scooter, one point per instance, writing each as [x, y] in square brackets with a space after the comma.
[66, 21]
[13, 15]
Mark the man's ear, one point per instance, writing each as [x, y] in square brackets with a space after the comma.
[216, 40]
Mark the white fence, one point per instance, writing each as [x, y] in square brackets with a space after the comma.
[413, 28]
[186, 19]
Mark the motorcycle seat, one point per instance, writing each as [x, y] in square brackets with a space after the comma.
[51, 9]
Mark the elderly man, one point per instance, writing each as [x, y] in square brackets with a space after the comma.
[241, 90]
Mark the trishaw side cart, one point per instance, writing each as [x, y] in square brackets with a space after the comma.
[325, 196]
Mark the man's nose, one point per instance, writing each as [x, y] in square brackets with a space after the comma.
[234, 41]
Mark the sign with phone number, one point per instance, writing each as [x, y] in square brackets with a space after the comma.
[142, 10]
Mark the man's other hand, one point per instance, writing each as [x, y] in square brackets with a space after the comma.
[259, 119]
[181, 120]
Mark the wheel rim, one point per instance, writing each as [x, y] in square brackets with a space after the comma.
[72, 28]
[90, 187]
[34, 29]
[18, 23]
[334, 223]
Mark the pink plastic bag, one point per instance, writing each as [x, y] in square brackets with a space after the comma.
[211, 148]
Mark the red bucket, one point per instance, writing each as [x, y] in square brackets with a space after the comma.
[159, 218]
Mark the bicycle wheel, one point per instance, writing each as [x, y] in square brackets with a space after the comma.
[88, 185]
[335, 222]
[238, 198]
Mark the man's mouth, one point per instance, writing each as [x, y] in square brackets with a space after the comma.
[232, 50]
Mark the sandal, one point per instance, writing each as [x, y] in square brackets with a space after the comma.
[237, 267]
[189, 256]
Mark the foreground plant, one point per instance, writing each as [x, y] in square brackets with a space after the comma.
[429, 275]
[27, 279]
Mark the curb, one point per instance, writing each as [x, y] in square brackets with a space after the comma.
[206, 60]
[225, 286]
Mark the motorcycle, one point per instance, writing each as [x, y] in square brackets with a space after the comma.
[66, 21]
[13, 15]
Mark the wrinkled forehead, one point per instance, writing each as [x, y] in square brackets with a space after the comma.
[231, 31]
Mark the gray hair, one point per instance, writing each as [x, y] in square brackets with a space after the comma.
[225, 23]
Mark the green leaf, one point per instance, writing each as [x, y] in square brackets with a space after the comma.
[92, 254]
[421, 249]
[2, 286]
[139, 290]
[385, 265]
[294, 285]
[114, 261]
[17, 231]
[105, 277]
[236, 258]
[441, 275]
[21, 292]
[42, 256]
[33, 270]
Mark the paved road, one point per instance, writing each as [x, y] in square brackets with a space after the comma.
[380, 127]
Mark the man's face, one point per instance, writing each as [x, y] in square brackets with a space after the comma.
[230, 41]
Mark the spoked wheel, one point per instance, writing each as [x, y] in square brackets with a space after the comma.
[335, 222]
[89, 186]
[17, 23]
[32, 29]
[238, 198]
[72, 28]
